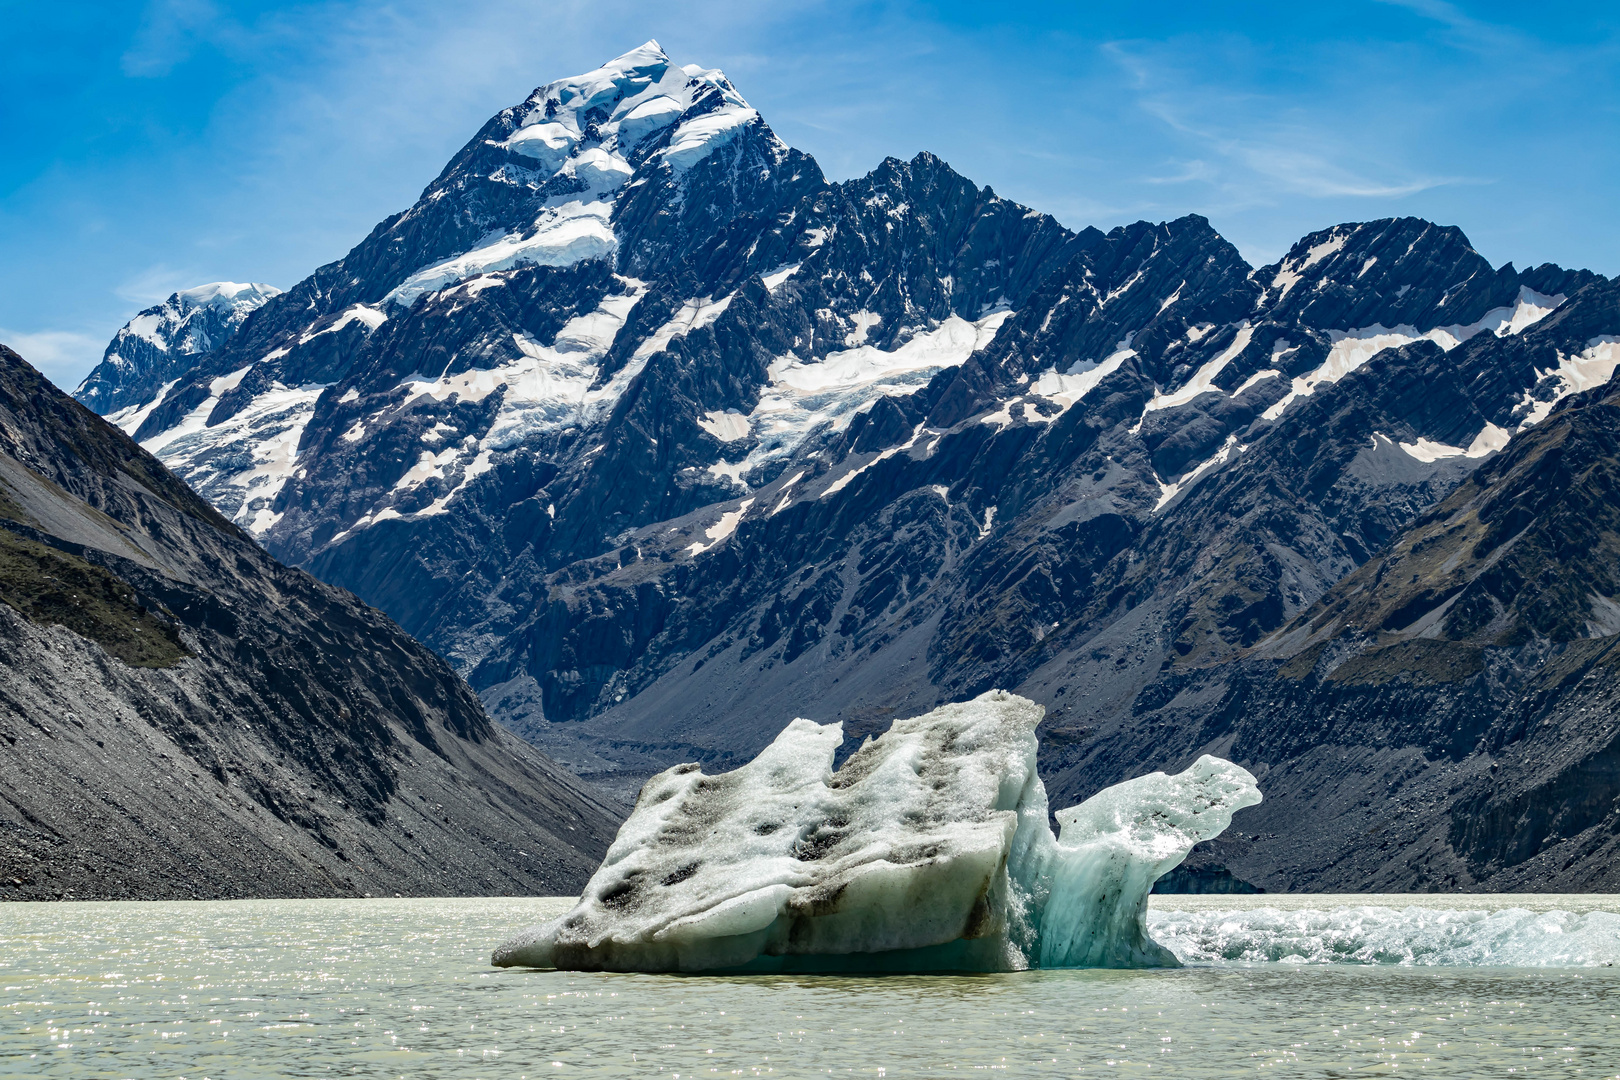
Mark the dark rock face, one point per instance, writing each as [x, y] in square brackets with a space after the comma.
[1443, 716]
[182, 716]
[782, 447]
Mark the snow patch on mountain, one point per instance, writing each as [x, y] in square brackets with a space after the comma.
[369, 317]
[722, 529]
[931, 351]
[807, 396]
[146, 327]
[774, 278]
[1489, 440]
[173, 324]
[1203, 380]
[727, 426]
[844, 481]
[1350, 350]
[1259, 376]
[1593, 367]
[1168, 491]
[131, 417]
[698, 138]
[1067, 389]
[567, 233]
[548, 386]
[241, 464]
[1289, 272]
[1353, 348]
[694, 314]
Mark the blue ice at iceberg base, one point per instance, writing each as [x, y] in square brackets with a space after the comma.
[928, 850]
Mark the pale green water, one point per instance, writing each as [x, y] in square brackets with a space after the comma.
[403, 988]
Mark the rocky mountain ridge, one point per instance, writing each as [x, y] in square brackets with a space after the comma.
[183, 717]
[663, 439]
[1459, 686]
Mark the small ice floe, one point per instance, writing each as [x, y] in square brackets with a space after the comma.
[1250, 930]
[929, 850]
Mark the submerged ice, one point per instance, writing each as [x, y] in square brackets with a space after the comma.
[929, 850]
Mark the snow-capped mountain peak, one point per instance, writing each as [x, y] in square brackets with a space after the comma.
[161, 341]
[616, 107]
[227, 294]
[640, 166]
[576, 142]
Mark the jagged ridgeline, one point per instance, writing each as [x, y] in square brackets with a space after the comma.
[182, 716]
[663, 439]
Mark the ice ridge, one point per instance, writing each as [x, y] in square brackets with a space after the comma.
[928, 850]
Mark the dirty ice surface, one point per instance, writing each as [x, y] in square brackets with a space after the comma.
[929, 850]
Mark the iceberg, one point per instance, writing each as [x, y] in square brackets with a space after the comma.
[928, 850]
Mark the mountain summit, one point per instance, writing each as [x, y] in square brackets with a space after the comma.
[664, 440]
[163, 341]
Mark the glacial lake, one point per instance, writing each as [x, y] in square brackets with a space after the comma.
[1294, 986]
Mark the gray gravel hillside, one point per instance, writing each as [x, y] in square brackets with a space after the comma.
[183, 716]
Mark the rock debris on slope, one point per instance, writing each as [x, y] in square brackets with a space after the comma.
[183, 717]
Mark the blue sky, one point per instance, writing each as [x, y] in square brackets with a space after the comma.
[152, 147]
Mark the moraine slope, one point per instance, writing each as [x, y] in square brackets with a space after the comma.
[183, 717]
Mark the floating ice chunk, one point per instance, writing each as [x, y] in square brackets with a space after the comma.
[929, 850]
[1248, 932]
[1114, 846]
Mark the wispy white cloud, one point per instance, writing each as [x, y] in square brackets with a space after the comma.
[154, 284]
[64, 356]
[1319, 176]
[169, 32]
[1465, 30]
[1256, 148]
[1183, 172]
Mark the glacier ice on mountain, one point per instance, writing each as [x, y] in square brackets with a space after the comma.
[928, 850]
